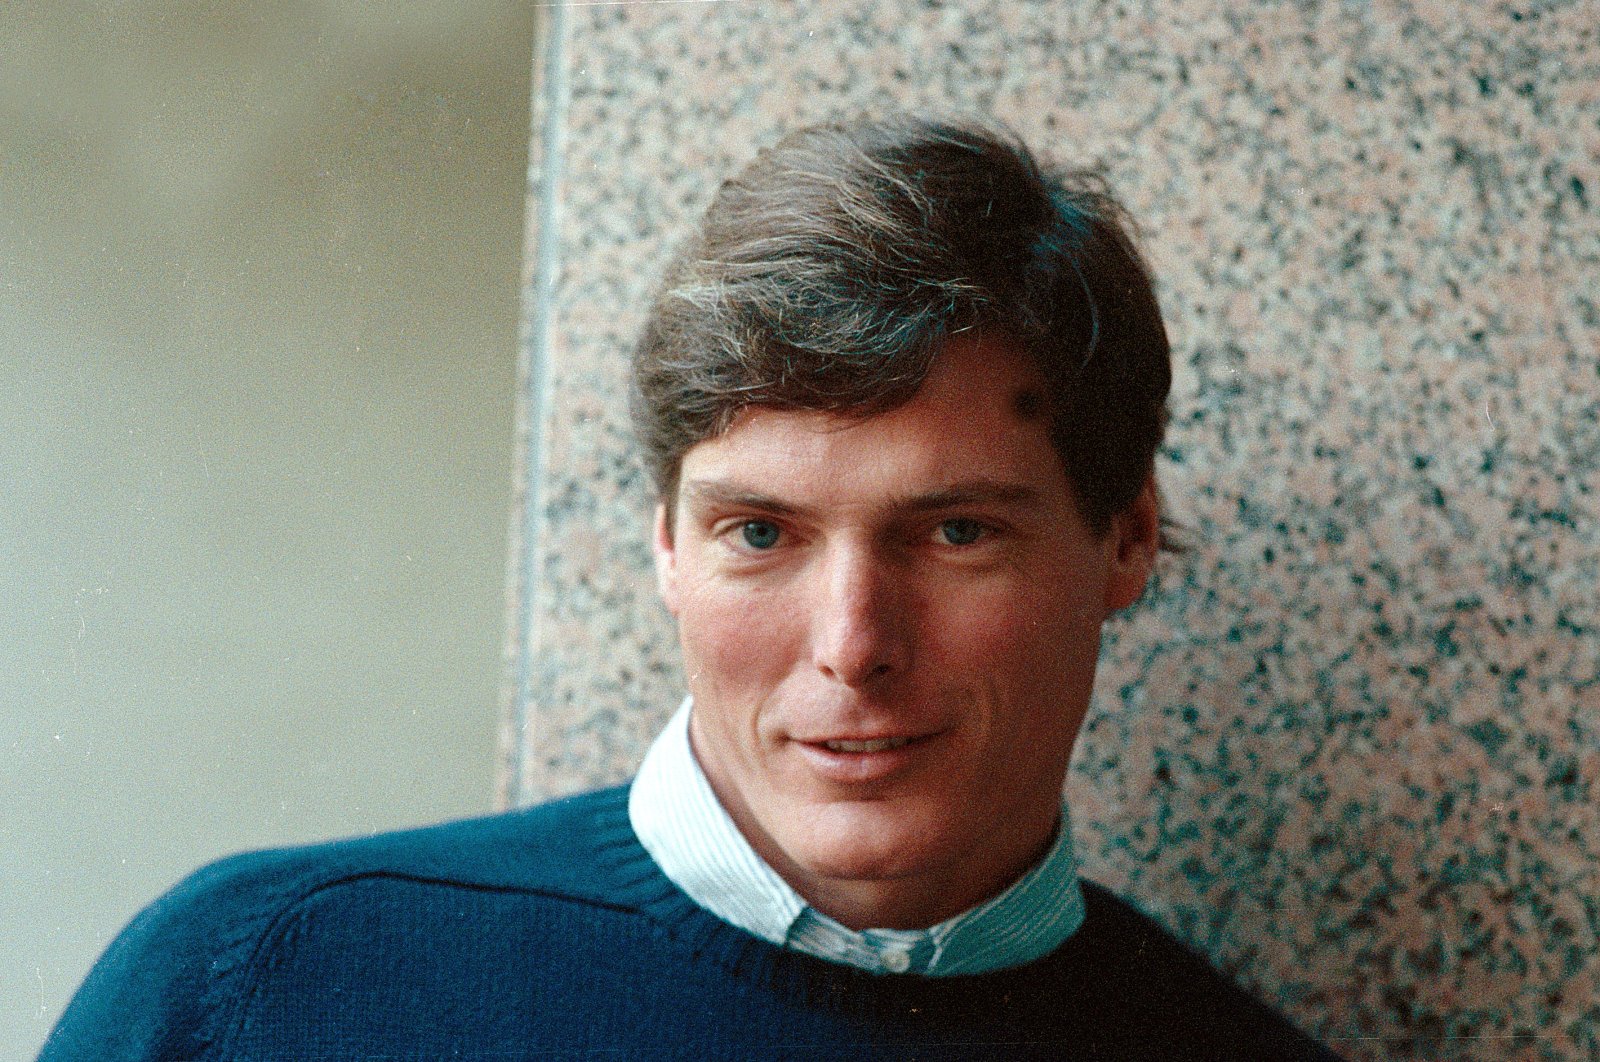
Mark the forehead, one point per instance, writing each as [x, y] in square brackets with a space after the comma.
[979, 414]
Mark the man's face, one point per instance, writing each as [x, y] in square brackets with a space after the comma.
[890, 629]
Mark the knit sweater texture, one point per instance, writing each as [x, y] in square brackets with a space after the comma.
[550, 934]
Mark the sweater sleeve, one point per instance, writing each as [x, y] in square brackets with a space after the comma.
[161, 989]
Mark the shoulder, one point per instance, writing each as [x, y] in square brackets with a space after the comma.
[1170, 996]
[167, 984]
[548, 847]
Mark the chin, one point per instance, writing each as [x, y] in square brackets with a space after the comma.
[858, 863]
[868, 843]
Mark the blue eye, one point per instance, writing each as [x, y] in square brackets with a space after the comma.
[960, 531]
[759, 534]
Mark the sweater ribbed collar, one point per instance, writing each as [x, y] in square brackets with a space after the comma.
[694, 842]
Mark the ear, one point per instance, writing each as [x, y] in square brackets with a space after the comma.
[1135, 537]
[666, 555]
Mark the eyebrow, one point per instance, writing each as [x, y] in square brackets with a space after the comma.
[977, 492]
[974, 492]
[731, 495]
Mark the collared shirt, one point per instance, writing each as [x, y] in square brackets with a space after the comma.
[687, 832]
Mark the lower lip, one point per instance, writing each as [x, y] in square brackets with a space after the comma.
[860, 767]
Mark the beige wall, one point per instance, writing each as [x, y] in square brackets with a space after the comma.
[258, 269]
[1349, 745]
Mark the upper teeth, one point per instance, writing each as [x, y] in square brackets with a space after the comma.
[875, 745]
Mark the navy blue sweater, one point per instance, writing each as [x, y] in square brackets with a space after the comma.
[550, 934]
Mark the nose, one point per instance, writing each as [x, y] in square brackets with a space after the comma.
[862, 626]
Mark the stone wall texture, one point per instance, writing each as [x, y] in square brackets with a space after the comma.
[1349, 744]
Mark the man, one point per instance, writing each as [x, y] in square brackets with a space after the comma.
[901, 400]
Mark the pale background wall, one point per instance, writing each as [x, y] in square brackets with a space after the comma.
[258, 312]
[1350, 744]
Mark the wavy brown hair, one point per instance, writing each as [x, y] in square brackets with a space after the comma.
[828, 274]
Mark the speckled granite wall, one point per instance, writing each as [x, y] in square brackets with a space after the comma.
[1349, 745]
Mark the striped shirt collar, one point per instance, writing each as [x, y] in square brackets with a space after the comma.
[697, 846]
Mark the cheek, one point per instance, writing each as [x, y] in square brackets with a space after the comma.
[1013, 622]
[730, 641]
[1028, 653]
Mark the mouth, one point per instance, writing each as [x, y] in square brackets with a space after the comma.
[870, 745]
[859, 760]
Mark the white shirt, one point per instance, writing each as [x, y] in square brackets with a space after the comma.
[687, 832]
